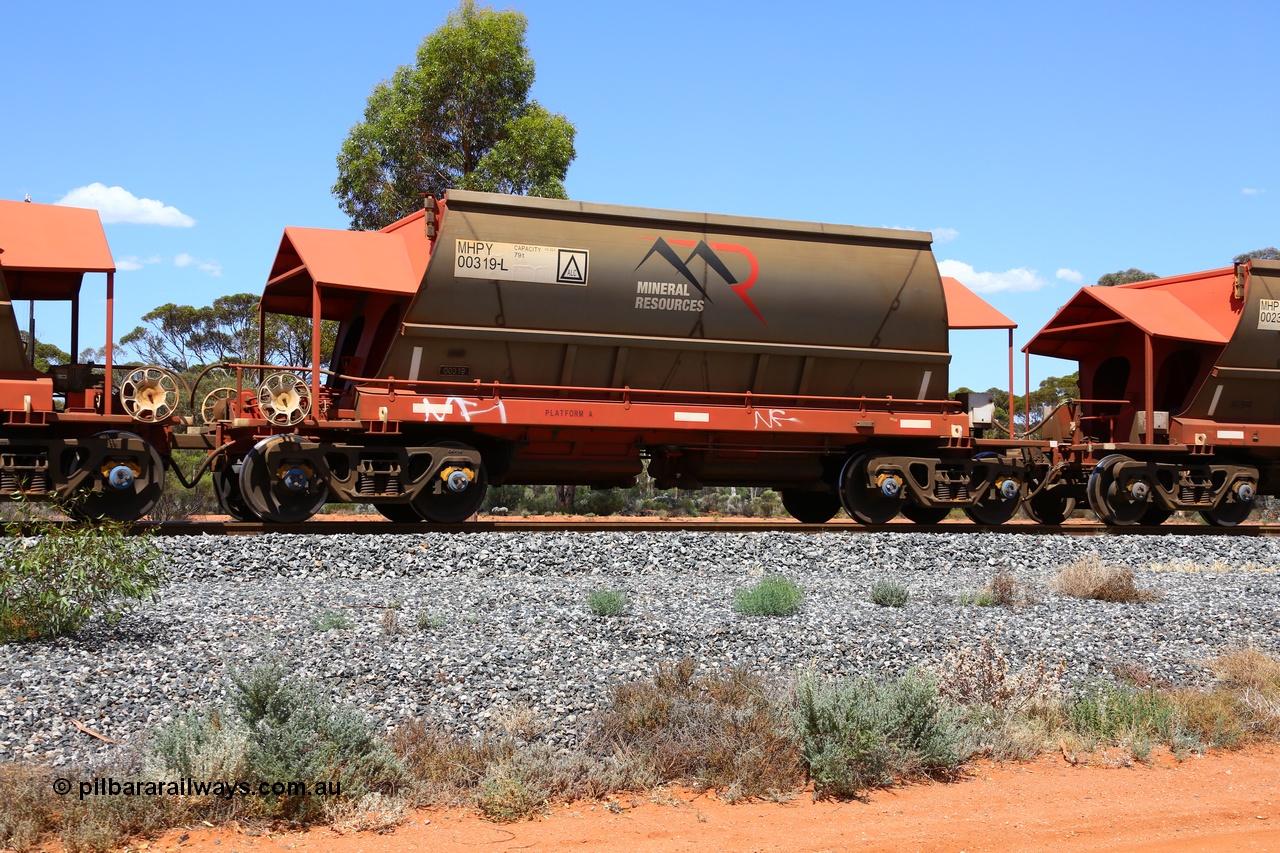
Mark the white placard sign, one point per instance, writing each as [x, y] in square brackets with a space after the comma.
[520, 262]
[1269, 313]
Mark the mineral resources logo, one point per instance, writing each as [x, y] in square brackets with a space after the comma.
[676, 295]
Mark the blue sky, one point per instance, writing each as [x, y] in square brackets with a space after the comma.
[1043, 144]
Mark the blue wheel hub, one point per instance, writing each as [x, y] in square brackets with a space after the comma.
[120, 477]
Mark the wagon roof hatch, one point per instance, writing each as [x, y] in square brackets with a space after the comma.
[1196, 307]
[48, 248]
[345, 264]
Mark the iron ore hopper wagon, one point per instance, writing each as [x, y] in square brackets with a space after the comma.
[499, 339]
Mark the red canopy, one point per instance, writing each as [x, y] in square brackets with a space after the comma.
[968, 310]
[48, 248]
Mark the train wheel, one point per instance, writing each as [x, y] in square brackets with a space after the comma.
[1049, 508]
[278, 488]
[1233, 508]
[399, 513]
[226, 485]
[1114, 504]
[462, 490]
[810, 507]
[865, 503]
[925, 514]
[993, 510]
[130, 488]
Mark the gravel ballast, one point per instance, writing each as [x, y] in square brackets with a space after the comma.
[506, 625]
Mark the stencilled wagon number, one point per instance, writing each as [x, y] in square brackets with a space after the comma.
[1269, 313]
[474, 262]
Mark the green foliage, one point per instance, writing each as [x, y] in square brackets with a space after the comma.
[295, 734]
[981, 598]
[55, 580]
[185, 339]
[887, 593]
[1051, 392]
[865, 733]
[46, 354]
[602, 502]
[1129, 276]
[607, 602]
[330, 620]
[428, 621]
[774, 595]
[201, 745]
[1107, 712]
[460, 116]
[1271, 253]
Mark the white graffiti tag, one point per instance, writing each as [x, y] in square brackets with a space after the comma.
[465, 408]
[773, 419]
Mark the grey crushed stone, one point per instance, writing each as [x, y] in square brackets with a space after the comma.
[509, 627]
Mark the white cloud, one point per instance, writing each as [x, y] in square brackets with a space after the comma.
[116, 204]
[1073, 276]
[945, 235]
[1252, 191]
[213, 268]
[133, 262]
[1019, 279]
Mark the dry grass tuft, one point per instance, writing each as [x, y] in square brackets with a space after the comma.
[27, 810]
[1247, 669]
[1253, 677]
[1090, 577]
[1004, 590]
[983, 677]
[1217, 567]
[721, 730]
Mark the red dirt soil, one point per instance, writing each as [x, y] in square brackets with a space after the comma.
[1221, 802]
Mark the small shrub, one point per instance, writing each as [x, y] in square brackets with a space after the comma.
[1253, 678]
[864, 733]
[1004, 588]
[428, 621]
[721, 731]
[983, 678]
[330, 620]
[1090, 577]
[888, 594]
[445, 767]
[513, 789]
[201, 745]
[27, 812]
[55, 580]
[774, 595]
[296, 734]
[607, 602]
[1102, 712]
[981, 598]
[100, 824]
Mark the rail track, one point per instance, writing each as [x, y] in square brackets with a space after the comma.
[379, 526]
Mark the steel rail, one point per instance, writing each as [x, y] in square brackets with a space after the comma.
[382, 527]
